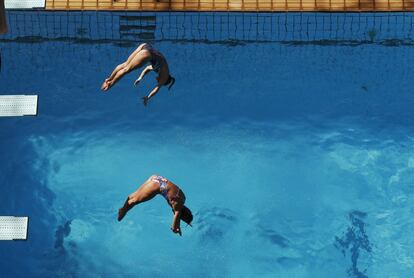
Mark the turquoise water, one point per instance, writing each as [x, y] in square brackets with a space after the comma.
[296, 159]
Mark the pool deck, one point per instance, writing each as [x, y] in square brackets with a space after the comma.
[234, 5]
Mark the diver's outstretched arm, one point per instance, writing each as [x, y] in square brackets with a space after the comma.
[177, 207]
[143, 73]
[176, 223]
[153, 93]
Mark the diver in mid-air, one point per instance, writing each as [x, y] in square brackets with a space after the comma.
[172, 193]
[145, 53]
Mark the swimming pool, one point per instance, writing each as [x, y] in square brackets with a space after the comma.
[291, 135]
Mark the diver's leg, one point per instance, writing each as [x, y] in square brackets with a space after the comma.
[138, 61]
[139, 48]
[117, 68]
[106, 86]
[145, 192]
[121, 66]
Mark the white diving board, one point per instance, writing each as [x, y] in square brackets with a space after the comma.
[13, 228]
[18, 105]
[24, 4]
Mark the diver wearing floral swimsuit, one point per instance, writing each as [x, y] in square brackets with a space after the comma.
[163, 182]
[175, 197]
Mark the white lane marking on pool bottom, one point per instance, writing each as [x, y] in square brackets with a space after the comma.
[12, 227]
[18, 105]
[24, 4]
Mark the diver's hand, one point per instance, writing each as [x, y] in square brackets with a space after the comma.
[145, 100]
[176, 231]
[137, 81]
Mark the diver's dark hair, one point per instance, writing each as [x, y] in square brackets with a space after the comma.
[170, 80]
[186, 215]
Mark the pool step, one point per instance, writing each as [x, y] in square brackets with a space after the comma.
[137, 27]
[147, 18]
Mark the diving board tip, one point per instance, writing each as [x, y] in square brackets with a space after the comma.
[26, 4]
[18, 105]
[13, 228]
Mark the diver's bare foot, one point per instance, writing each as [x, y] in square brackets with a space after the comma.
[121, 213]
[106, 85]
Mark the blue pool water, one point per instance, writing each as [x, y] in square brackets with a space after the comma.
[295, 151]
